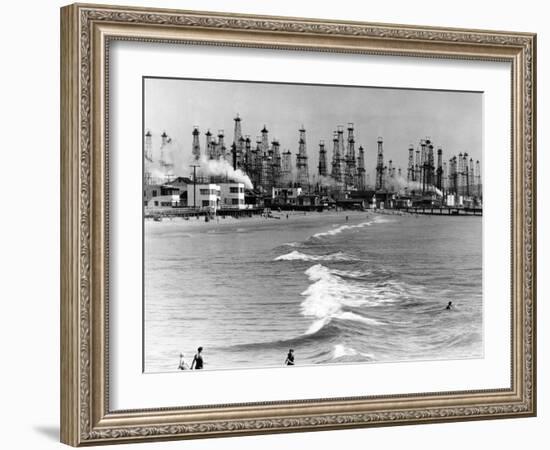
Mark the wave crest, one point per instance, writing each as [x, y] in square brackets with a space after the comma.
[295, 255]
[341, 351]
[342, 228]
[329, 295]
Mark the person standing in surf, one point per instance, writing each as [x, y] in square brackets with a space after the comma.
[183, 365]
[198, 362]
[289, 361]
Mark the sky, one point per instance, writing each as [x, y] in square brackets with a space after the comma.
[451, 119]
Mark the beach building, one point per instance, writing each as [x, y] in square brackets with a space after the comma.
[152, 194]
[286, 195]
[232, 195]
[204, 195]
[164, 201]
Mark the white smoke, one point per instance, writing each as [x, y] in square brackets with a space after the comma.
[221, 168]
[329, 181]
[399, 184]
[168, 161]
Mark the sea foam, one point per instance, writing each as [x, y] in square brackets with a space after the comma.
[341, 350]
[342, 228]
[328, 296]
[299, 256]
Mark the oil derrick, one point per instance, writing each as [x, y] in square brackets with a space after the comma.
[453, 175]
[445, 179]
[426, 168]
[275, 162]
[237, 132]
[209, 147]
[222, 149]
[237, 148]
[286, 168]
[361, 181]
[351, 170]
[148, 147]
[148, 154]
[470, 170]
[460, 175]
[422, 165]
[380, 185]
[265, 160]
[258, 158]
[410, 168]
[233, 155]
[417, 166]
[431, 164]
[267, 172]
[240, 153]
[336, 159]
[477, 180]
[196, 149]
[248, 156]
[265, 141]
[301, 160]
[341, 153]
[439, 173]
[322, 159]
[390, 176]
[167, 167]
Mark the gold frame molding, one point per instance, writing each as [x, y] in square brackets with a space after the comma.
[86, 31]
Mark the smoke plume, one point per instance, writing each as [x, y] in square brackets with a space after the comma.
[221, 168]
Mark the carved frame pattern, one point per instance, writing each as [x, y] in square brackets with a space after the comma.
[86, 418]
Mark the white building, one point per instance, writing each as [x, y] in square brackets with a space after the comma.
[164, 201]
[157, 196]
[232, 195]
[208, 195]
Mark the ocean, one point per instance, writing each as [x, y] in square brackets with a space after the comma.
[369, 289]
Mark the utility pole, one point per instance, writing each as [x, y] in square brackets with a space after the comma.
[194, 166]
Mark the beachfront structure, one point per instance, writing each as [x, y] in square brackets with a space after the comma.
[155, 194]
[232, 196]
[290, 198]
[286, 195]
[164, 201]
[204, 195]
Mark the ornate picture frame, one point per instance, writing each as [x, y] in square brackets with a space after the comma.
[86, 34]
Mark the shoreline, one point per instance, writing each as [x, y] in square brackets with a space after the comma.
[277, 217]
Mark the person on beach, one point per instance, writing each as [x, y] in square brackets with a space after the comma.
[183, 365]
[449, 306]
[198, 362]
[289, 361]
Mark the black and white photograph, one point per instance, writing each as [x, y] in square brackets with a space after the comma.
[300, 224]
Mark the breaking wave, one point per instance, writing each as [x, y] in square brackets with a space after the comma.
[341, 351]
[329, 295]
[342, 228]
[299, 256]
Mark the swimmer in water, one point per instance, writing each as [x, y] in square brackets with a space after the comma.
[449, 305]
[183, 365]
